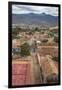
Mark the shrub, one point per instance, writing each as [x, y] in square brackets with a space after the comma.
[44, 41]
[51, 34]
[56, 39]
[55, 58]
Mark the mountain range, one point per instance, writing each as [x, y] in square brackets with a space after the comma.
[32, 18]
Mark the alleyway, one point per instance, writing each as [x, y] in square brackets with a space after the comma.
[35, 68]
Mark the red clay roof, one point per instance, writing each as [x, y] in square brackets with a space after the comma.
[20, 72]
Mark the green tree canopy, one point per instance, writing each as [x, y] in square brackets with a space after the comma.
[25, 50]
[56, 39]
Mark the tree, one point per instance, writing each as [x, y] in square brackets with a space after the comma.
[37, 29]
[50, 34]
[56, 39]
[15, 31]
[30, 33]
[25, 50]
[55, 58]
[44, 41]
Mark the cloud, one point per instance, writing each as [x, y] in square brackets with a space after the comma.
[21, 9]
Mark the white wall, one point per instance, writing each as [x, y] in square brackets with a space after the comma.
[4, 43]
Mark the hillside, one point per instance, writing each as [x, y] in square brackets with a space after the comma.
[31, 18]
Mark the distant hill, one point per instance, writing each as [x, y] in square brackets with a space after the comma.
[32, 18]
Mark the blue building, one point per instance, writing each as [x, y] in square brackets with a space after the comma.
[16, 50]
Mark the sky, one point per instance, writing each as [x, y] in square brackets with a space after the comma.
[24, 9]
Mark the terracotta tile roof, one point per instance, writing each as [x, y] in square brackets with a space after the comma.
[20, 73]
